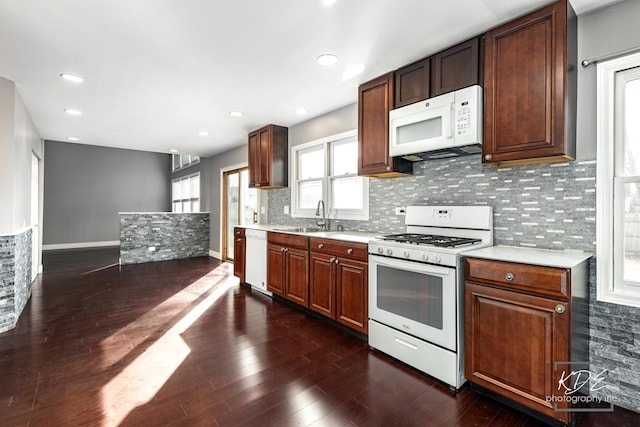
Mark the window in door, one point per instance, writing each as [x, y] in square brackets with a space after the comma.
[240, 206]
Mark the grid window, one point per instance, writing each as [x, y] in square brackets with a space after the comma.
[327, 170]
[185, 193]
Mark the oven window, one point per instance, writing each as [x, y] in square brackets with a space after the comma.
[415, 296]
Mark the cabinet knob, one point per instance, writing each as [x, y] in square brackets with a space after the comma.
[257, 185]
[388, 168]
[321, 245]
[488, 157]
[282, 250]
[510, 277]
[333, 259]
[349, 251]
[337, 261]
[560, 308]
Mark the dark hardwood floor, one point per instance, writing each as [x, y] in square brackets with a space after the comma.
[181, 343]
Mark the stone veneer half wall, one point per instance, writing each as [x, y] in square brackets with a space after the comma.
[15, 277]
[171, 235]
[548, 206]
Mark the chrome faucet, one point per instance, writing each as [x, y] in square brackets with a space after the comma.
[324, 223]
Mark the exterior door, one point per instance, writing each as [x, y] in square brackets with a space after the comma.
[239, 207]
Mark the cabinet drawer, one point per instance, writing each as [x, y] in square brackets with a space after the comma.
[288, 240]
[238, 232]
[357, 251]
[535, 279]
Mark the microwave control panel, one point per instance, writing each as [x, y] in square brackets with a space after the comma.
[467, 119]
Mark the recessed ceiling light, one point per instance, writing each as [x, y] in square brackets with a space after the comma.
[203, 133]
[327, 59]
[329, 2]
[173, 150]
[301, 111]
[73, 138]
[72, 78]
[72, 111]
[236, 113]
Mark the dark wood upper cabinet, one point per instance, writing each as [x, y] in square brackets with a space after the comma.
[530, 88]
[375, 100]
[456, 68]
[412, 83]
[268, 157]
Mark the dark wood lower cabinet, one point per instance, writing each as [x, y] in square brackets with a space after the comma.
[322, 284]
[524, 328]
[297, 272]
[513, 343]
[338, 282]
[276, 270]
[239, 253]
[352, 294]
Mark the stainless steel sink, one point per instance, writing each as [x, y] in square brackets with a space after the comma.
[300, 229]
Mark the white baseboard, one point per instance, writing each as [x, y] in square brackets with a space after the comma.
[80, 245]
[214, 254]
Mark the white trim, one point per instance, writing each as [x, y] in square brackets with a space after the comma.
[332, 213]
[80, 245]
[608, 288]
[215, 254]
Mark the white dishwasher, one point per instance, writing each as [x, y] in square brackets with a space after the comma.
[256, 261]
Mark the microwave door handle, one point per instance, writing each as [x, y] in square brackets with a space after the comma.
[452, 121]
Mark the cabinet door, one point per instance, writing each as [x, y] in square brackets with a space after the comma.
[239, 261]
[322, 284]
[456, 67]
[254, 160]
[352, 294]
[412, 83]
[264, 142]
[276, 269]
[527, 89]
[375, 100]
[513, 341]
[297, 272]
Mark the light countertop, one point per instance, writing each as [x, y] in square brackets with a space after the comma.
[349, 236]
[544, 257]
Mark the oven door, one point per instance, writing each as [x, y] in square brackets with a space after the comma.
[416, 298]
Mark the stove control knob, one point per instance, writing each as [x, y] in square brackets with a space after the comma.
[437, 259]
[380, 250]
[425, 257]
[389, 251]
[407, 254]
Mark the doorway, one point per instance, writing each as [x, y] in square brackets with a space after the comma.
[239, 206]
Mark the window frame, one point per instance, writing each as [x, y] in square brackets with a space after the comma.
[327, 179]
[609, 208]
[185, 161]
[190, 199]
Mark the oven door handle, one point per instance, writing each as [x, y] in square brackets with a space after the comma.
[414, 266]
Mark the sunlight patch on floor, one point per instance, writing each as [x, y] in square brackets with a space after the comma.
[141, 379]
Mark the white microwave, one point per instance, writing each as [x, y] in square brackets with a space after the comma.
[444, 126]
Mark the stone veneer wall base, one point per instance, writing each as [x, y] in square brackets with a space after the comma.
[15, 277]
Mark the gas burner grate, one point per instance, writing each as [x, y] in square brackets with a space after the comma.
[432, 240]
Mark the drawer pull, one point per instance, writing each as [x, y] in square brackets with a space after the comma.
[510, 277]
[349, 251]
[560, 308]
[321, 245]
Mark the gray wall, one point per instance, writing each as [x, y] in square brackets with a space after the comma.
[603, 32]
[86, 186]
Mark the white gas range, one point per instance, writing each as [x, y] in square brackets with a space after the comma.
[416, 287]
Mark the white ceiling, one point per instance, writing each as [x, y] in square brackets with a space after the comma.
[159, 71]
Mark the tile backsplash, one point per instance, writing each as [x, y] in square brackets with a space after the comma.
[550, 206]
